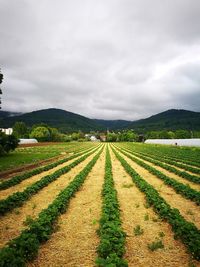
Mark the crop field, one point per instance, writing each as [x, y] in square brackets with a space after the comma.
[103, 204]
[32, 155]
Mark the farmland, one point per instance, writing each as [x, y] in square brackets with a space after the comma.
[102, 204]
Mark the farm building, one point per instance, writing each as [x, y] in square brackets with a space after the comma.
[7, 131]
[27, 141]
[178, 142]
[94, 139]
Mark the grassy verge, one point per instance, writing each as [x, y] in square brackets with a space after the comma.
[31, 155]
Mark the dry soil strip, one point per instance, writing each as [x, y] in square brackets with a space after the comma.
[170, 174]
[12, 223]
[188, 209]
[133, 211]
[75, 242]
[27, 182]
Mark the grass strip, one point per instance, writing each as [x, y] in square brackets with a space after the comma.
[112, 238]
[19, 178]
[17, 199]
[186, 231]
[25, 247]
[185, 190]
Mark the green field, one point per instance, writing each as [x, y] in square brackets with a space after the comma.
[103, 204]
[30, 155]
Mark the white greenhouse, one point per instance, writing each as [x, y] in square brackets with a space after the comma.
[27, 141]
[178, 142]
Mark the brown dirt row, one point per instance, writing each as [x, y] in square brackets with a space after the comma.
[133, 213]
[75, 241]
[171, 175]
[27, 182]
[5, 175]
[40, 144]
[188, 209]
[12, 223]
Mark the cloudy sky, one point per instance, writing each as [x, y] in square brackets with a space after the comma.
[108, 59]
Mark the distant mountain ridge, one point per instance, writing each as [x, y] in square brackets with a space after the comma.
[172, 119]
[66, 121]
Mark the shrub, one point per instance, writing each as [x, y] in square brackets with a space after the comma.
[7, 143]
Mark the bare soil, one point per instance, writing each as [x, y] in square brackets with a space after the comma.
[188, 209]
[133, 213]
[75, 241]
[173, 175]
[12, 223]
[27, 182]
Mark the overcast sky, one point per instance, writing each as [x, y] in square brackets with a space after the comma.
[108, 59]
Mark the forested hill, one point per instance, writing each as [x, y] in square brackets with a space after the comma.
[113, 124]
[63, 120]
[68, 122]
[172, 119]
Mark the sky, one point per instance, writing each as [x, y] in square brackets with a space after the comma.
[105, 59]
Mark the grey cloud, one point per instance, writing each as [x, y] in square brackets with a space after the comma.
[117, 59]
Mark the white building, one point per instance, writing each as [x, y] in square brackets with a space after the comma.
[27, 141]
[94, 139]
[178, 142]
[8, 131]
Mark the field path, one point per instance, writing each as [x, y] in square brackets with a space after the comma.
[188, 209]
[75, 241]
[133, 211]
[12, 223]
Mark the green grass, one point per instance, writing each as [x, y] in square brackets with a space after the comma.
[30, 155]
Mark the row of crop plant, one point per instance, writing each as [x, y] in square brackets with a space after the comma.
[183, 174]
[183, 230]
[112, 238]
[185, 155]
[161, 157]
[19, 178]
[185, 190]
[17, 199]
[25, 247]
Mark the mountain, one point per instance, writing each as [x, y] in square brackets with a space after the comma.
[65, 121]
[4, 114]
[113, 124]
[172, 119]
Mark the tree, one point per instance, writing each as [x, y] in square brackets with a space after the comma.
[75, 136]
[20, 130]
[41, 133]
[54, 134]
[111, 137]
[7, 143]
[164, 135]
[182, 134]
[1, 79]
[171, 134]
[153, 135]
